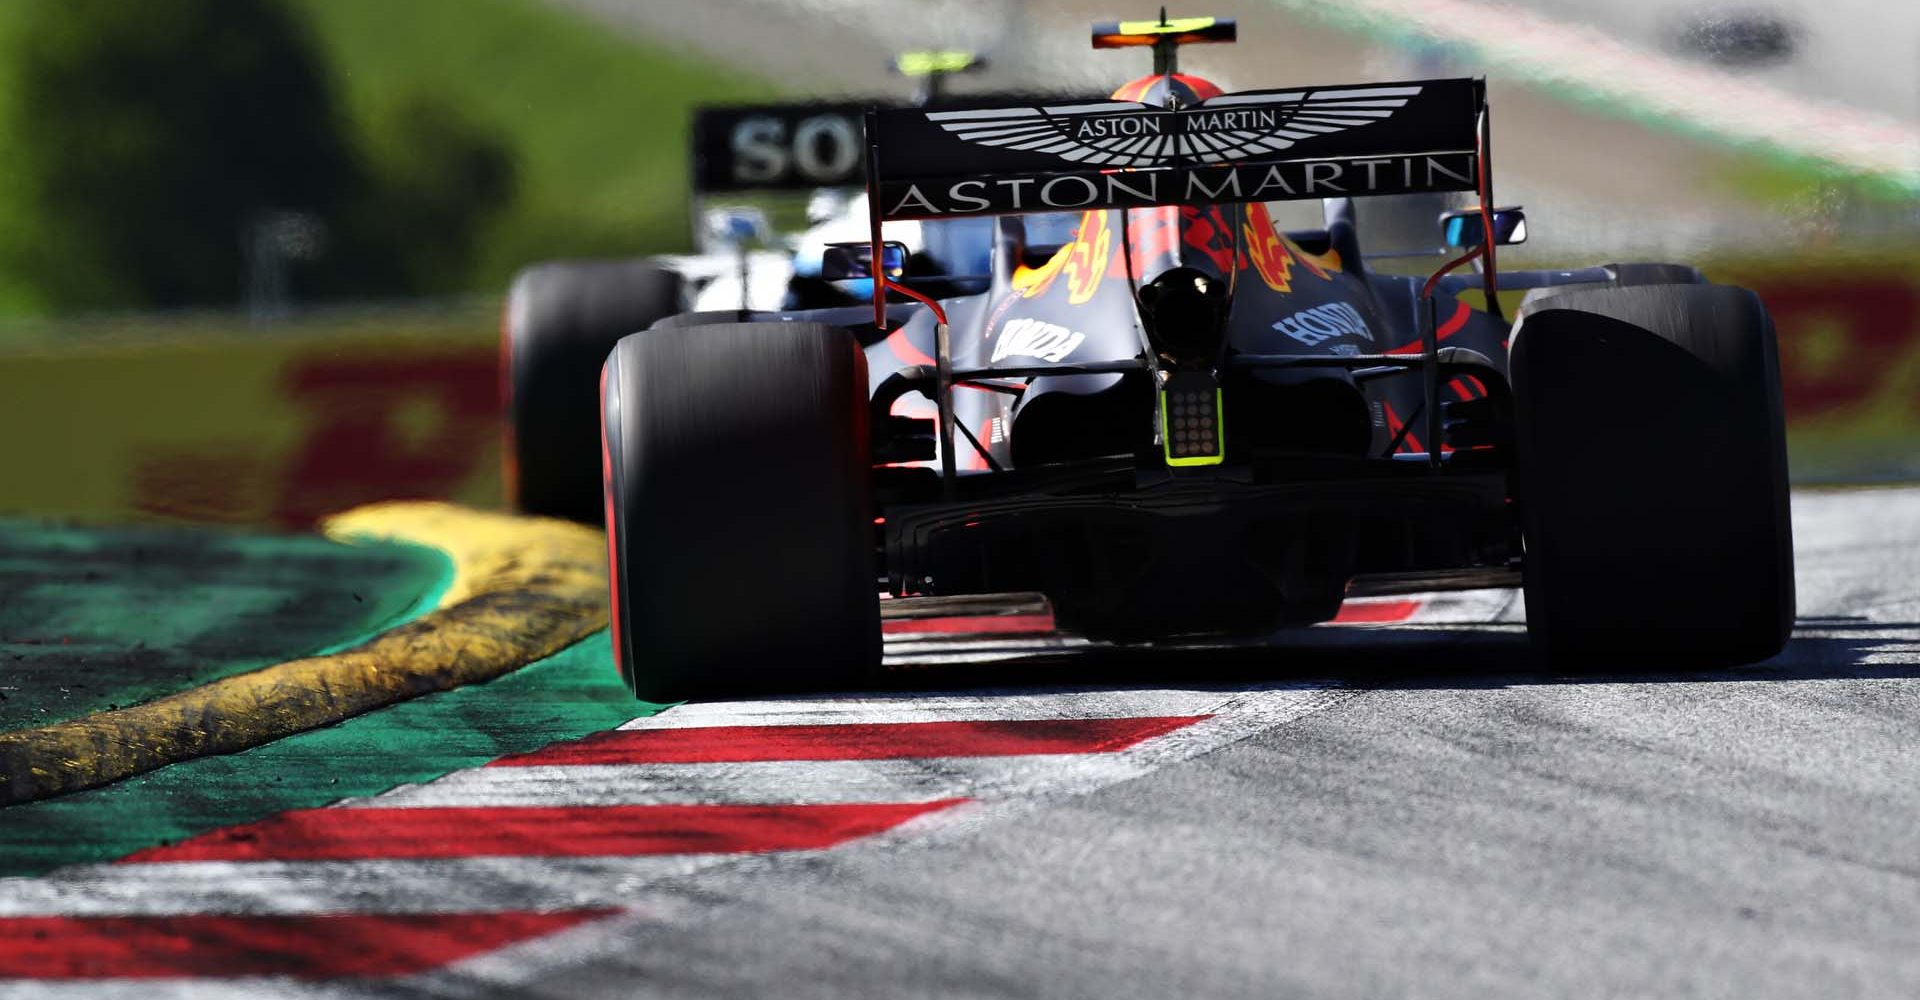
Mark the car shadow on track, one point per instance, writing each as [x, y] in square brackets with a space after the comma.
[1436, 656]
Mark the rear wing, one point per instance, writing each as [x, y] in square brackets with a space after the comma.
[1274, 145]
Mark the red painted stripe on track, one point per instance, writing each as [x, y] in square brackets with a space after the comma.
[969, 625]
[868, 741]
[1377, 611]
[307, 947]
[543, 831]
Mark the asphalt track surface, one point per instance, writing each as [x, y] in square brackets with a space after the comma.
[1399, 808]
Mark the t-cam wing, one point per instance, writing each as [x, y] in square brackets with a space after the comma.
[1273, 145]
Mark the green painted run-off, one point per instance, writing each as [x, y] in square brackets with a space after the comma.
[94, 619]
[568, 695]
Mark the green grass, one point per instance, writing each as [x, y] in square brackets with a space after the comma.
[598, 120]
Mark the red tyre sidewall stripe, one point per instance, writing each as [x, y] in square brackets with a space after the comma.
[509, 441]
[614, 609]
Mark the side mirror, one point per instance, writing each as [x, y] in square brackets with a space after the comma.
[1464, 228]
[842, 261]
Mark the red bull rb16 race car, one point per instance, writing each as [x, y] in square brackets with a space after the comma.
[1185, 421]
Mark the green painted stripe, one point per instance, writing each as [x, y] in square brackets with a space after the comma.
[428, 599]
[522, 589]
[565, 696]
[98, 618]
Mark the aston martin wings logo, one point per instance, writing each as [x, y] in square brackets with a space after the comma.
[1048, 156]
[1221, 130]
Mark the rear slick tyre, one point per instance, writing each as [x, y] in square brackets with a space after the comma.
[562, 319]
[739, 511]
[1652, 477]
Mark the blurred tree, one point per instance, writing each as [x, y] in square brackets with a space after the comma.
[190, 153]
[155, 140]
[439, 180]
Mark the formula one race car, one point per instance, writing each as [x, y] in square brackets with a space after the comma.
[1185, 421]
[562, 317]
